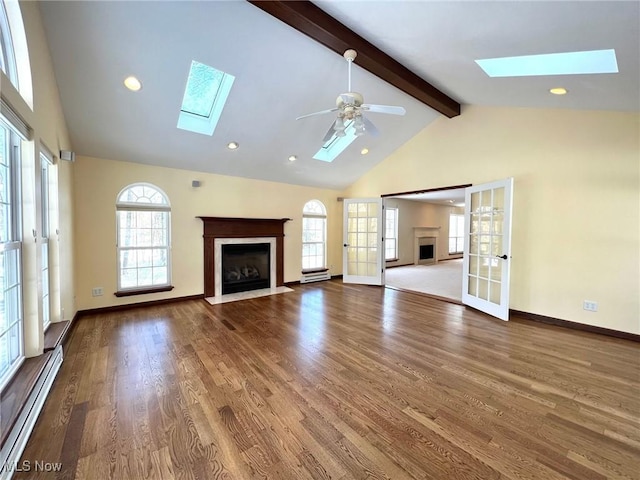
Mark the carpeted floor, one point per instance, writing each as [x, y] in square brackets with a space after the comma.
[443, 279]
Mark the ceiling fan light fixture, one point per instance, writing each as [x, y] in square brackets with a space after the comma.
[339, 125]
[340, 133]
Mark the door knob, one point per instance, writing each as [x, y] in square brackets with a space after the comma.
[345, 245]
[504, 257]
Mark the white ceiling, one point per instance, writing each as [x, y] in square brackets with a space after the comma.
[281, 74]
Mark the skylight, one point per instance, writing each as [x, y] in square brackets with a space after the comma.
[570, 63]
[336, 145]
[204, 98]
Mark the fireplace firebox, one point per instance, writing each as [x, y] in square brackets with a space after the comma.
[426, 252]
[245, 267]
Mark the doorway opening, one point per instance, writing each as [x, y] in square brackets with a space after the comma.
[429, 245]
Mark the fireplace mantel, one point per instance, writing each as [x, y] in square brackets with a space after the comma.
[229, 227]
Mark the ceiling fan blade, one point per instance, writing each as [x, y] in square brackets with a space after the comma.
[370, 127]
[329, 134]
[317, 113]
[384, 109]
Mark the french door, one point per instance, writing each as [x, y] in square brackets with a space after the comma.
[487, 256]
[363, 252]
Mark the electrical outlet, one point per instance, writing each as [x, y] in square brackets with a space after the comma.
[97, 291]
[590, 306]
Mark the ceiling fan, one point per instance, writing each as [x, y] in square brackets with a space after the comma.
[350, 107]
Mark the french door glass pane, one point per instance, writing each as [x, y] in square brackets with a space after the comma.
[485, 244]
[362, 252]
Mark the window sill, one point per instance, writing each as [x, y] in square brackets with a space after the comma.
[142, 291]
[391, 260]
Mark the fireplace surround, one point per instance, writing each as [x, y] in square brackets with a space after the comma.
[220, 231]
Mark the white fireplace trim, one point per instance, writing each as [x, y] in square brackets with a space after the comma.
[217, 255]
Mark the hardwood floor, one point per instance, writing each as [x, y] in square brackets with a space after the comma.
[338, 381]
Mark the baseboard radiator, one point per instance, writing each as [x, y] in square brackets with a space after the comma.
[17, 439]
[315, 277]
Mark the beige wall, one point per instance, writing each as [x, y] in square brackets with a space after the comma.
[49, 128]
[412, 214]
[98, 182]
[576, 210]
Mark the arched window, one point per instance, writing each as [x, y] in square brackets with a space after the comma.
[143, 223]
[7, 58]
[14, 52]
[314, 236]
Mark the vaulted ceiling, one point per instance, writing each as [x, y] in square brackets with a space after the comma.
[282, 73]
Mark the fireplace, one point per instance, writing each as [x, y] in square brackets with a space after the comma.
[245, 266]
[261, 265]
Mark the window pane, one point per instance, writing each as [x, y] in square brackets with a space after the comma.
[160, 219]
[144, 219]
[159, 258]
[160, 275]
[128, 259]
[144, 258]
[145, 276]
[128, 278]
[143, 237]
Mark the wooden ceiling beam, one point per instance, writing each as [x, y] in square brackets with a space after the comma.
[309, 19]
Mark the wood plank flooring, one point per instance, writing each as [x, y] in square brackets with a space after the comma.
[342, 382]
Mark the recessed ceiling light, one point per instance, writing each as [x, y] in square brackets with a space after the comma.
[232, 145]
[558, 91]
[364, 151]
[292, 158]
[132, 83]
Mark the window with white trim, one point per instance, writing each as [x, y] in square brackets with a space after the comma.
[314, 236]
[7, 58]
[11, 314]
[45, 165]
[144, 243]
[391, 234]
[456, 233]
